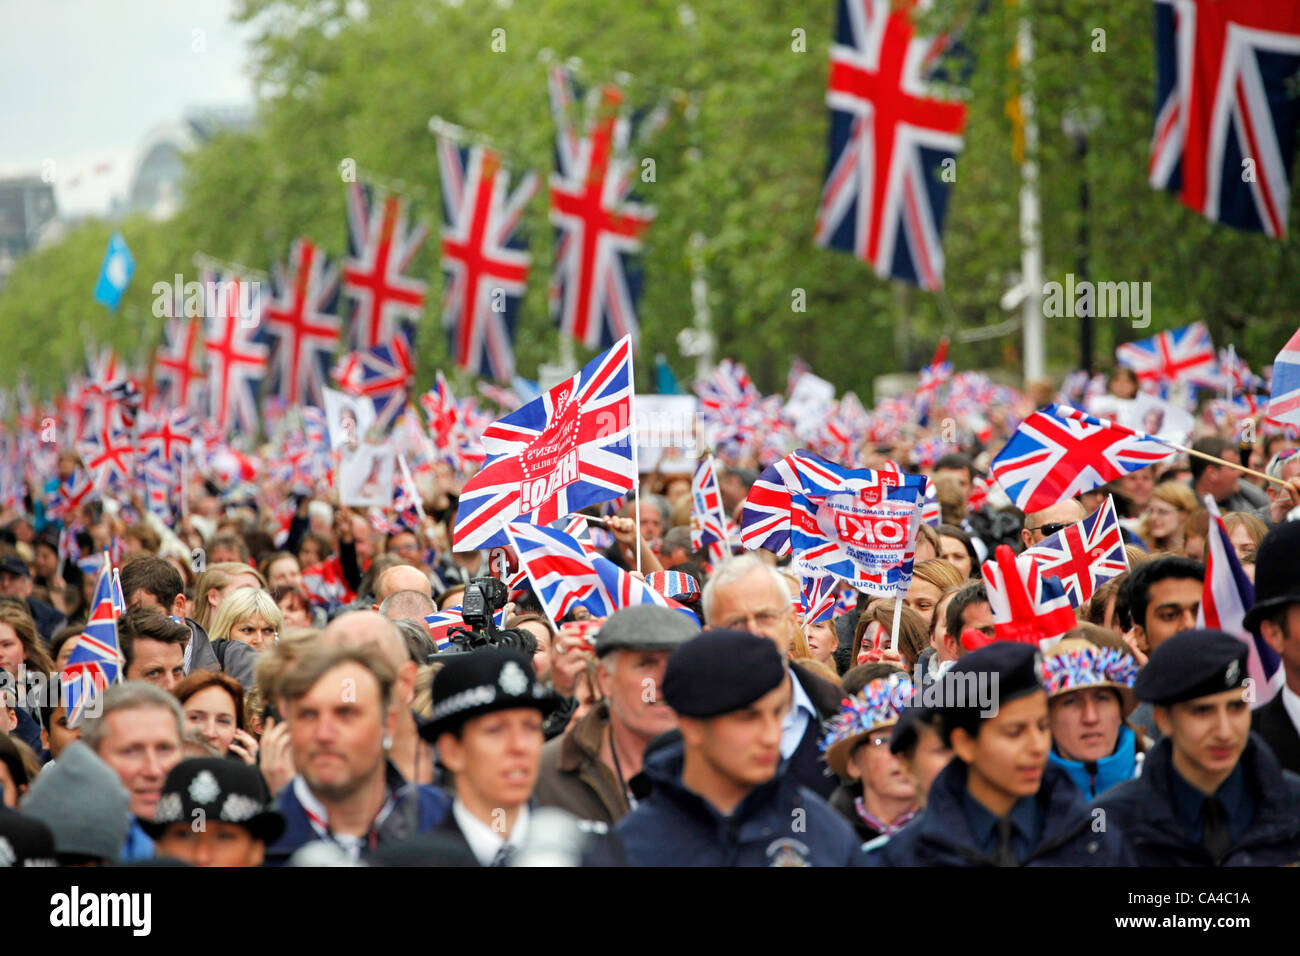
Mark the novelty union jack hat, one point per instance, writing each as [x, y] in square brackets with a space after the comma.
[1074, 663]
[876, 707]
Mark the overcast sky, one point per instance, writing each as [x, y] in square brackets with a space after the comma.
[82, 82]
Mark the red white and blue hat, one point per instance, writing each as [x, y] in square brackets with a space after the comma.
[876, 707]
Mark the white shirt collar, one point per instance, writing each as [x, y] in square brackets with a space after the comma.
[1291, 704]
[801, 700]
[484, 842]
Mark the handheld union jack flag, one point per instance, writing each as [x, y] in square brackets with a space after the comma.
[1185, 354]
[1028, 606]
[382, 374]
[485, 263]
[1059, 452]
[303, 324]
[96, 661]
[109, 455]
[1226, 116]
[70, 495]
[559, 453]
[620, 589]
[884, 198]
[178, 366]
[559, 567]
[932, 378]
[1085, 555]
[236, 359]
[598, 229]
[380, 251]
[818, 598]
[326, 586]
[1284, 400]
[708, 524]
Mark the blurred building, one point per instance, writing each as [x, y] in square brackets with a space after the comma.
[156, 184]
[28, 216]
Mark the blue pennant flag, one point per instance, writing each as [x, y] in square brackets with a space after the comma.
[115, 274]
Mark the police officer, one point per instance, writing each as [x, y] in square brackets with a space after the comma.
[1276, 618]
[721, 795]
[1211, 792]
[998, 802]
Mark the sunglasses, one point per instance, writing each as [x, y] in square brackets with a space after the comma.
[1051, 528]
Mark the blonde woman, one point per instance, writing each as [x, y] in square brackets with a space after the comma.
[929, 579]
[1171, 504]
[215, 582]
[247, 622]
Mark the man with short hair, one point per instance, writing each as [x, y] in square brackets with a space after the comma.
[138, 734]
[587, 770]
[1040, 525]
[746, 594]
[413, 605]
[1276, 618]
[676, 548]
[227, 796]
[55, 732]
[968, 608]
[400, 577]
[1222, 482]
[150, 581]
[721, 795]
[1163, 597]
[1210, 793]
[153, 647]
[347, 793]
[227, 547]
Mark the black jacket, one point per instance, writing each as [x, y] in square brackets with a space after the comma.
[47, 618]
[940, 836]
[1274, 725]
[599, 848]
[779, 823]
[1143, 809]
[202, 656]
[843, 800]
[806, 764]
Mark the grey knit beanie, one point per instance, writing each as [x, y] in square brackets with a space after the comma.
[83, 802]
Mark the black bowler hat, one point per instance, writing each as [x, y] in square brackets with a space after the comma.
[1276, 582]
[719, 672]
[215, 789]
[482, 682]
[1192, 664]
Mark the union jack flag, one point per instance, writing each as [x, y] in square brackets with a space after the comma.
[380, 251]
[1027, 605]
[70, 494]
[558, 565]
[303, 324]
[864, 534]
[884, 199]
[1059, 452]
[178, 366]
[1185, 354]
[932, 378]
[559, 453]
[382, 373]
[819, 598]
[1235, 375]
[109, 455]
[326, 586]
[440, 624]
[1284, 400]
[594, 287]
[677, 585]
[728, 400]
[707, 521]
[96, 661]
[236, 359]
[1225, 113]
[485, 263]
[1084, 555]
[619, 589]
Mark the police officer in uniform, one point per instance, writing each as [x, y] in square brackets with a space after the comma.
[720, 793]
[1211, 793]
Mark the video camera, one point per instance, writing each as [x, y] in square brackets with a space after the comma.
[483, 598]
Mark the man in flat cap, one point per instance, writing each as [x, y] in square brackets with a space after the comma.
[1210, 793]
[721, 795]
[587, 770]
[212, 814]
[998, 802]
[1276, 618]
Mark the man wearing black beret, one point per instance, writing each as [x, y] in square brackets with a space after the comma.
[1211, 793]
[721, 795]
[998, 802]
[1276, 618]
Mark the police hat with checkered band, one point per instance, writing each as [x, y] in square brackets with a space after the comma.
[483, 682]
[215, 790]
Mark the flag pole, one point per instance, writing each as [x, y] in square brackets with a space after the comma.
[893, 631]
[1223, 461]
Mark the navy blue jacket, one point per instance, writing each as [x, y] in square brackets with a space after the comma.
[941, 836]
[1144, 810]
[779, 823]
[419, 809]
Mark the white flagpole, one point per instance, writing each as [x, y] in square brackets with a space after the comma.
[636, 459]
[722, 517]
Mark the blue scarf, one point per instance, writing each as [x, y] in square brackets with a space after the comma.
[1118, 767]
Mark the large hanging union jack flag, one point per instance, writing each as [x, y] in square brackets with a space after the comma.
[1225, 111]
[1059, 452]
[303, 324]
[594, 287]
[380, 250]
[485, 263]
[1185, 354]
[1084, 555]
[178, 367]
[236, 359]
[563, 451]
[884, 198]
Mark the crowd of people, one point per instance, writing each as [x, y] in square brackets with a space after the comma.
[287, 703]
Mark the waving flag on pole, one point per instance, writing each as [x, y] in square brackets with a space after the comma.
[1185, 354]
[884, 197]
[819, 598]
[1284, 401]
[932, 378]
[598, 228]
[96, 660]
[178, 367]
[1226, 112]
[302, 322]
[707, 521]
[570, 448]
[1225, 598]
[385, 300]
[559, 567]
[485, 263]
[620, 589]
[236, 358]
[1059, 452]
[382, 373]
[1085, 555]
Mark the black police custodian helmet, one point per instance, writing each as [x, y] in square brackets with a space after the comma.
[1277, 582]
[482, 682]
[215, 789]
